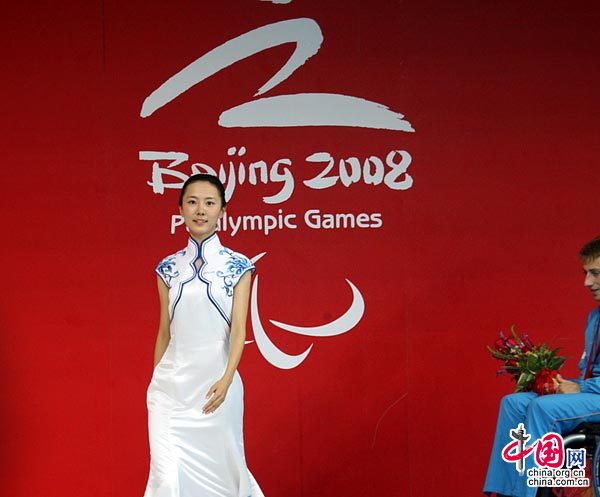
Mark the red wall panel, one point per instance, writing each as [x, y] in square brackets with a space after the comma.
[503, 101]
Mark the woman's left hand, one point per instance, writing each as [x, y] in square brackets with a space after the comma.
[216, 395]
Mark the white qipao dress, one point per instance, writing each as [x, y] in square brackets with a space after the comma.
[195, 454]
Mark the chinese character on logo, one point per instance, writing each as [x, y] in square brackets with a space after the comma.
[549, 450]
[576, 457]
[520, 438]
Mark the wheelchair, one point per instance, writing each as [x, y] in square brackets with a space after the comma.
[586, 435]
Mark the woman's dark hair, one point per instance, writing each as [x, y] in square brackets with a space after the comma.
[208, 178]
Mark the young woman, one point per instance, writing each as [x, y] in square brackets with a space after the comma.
[195, 397]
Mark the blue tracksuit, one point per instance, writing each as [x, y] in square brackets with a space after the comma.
[542, 414]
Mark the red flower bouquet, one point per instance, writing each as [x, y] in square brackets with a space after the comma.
[533, 367]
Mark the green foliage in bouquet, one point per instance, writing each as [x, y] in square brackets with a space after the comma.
[533, 367]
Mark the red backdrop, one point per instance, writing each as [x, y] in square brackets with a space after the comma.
[502, 97]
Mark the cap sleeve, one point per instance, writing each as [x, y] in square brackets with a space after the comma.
[234, 267]
[166, 270]
[241, 265]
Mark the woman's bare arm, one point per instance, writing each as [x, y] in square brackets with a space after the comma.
[164, 333]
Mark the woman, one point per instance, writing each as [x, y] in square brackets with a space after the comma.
[195, 397]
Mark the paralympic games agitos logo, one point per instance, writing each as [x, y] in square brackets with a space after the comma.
[279, 358]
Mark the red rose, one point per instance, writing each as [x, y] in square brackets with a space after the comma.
[511, 342]
[544, 382]
[499, 344]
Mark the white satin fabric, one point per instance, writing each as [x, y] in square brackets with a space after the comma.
[195, 454]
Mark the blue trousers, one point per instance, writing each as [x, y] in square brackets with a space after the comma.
[559, 413]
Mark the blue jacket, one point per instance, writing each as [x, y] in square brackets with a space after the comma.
[592, 384]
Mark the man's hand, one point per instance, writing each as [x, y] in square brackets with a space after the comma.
[566, 386]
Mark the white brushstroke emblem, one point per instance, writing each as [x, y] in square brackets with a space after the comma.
[302, 109]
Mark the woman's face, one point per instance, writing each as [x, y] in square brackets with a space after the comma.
[201, 209]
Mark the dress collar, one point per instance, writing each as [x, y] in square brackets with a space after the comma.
[208, 246]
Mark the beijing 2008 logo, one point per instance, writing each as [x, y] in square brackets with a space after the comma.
[555, 466]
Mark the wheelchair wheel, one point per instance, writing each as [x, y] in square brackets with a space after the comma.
[595, 471]
[576, 491]
[592, 472]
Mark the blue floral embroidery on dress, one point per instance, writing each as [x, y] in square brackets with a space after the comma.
[166, 268]
[234, 268]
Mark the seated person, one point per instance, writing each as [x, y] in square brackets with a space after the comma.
[575, 401]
